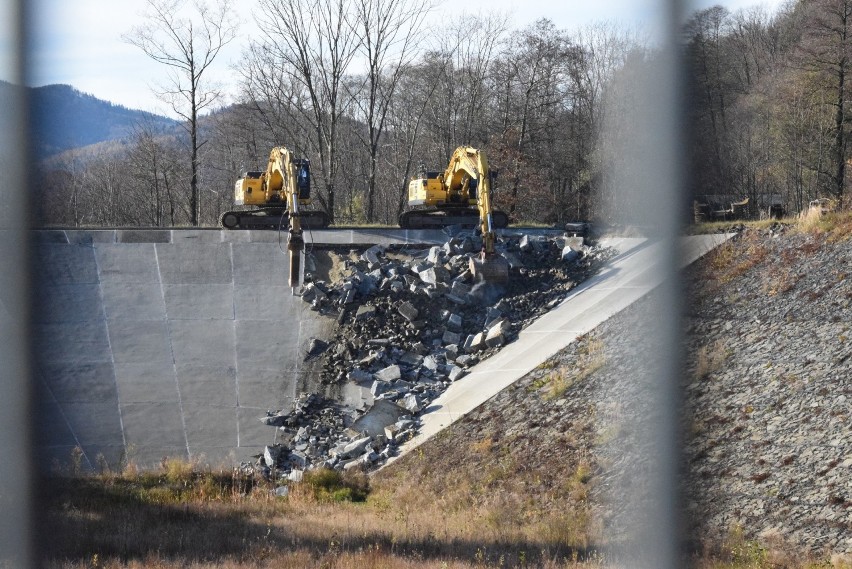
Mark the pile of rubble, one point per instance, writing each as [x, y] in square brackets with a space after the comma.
[409, 324]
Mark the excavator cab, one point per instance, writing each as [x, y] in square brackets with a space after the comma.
[303, 179]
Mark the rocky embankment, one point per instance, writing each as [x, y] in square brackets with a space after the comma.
[769, 389]
[768, 408]
[409, 323]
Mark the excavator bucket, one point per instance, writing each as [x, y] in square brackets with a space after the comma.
[490, 268]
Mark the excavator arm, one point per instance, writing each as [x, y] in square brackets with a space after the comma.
[281, 185]
[469, 178]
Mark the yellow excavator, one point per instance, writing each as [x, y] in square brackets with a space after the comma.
[286, 185]
[452, 197]
[461, 195]
[276, 193]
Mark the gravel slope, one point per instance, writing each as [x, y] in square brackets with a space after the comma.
[768, 399]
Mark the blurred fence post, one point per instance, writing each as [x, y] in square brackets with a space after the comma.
[16, 525]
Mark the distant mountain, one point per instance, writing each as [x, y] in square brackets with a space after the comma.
[63, 118]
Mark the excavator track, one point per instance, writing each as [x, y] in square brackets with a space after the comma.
[272, 218]
[438, 218]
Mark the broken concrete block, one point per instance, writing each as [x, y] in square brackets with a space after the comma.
[408, 311]
[275, 420]
[382, 415]
[435, 275]
[365, 313]
[456, 299]
[371, 256]
[435, 255]
[296, 475]
[389, 373]
[465, 360]
[569, 255]
[430, 362]
[412, 403]
[411, 359]
[495, 337]
[313, 293]
[468, 342]
[418, 268]
[477, 343]
[456, 373]
[366, 285]
[379, 388]
[451, 337]
[391, 431]
[316, 347]
[515, 262]
[501, 323]
[351, 449]
[298, 459]
[451, 351]
[271, 454]
[454, 323]
[576, 243]
[359, 376]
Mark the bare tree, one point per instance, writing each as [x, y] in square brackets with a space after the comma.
[276, 102]
[314, 43]
[186, 36]
[388, 31]
[154, 169]
[826, 51]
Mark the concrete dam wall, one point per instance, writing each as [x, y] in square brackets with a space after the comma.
[170, 342]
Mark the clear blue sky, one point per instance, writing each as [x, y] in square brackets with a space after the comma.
[79, 42]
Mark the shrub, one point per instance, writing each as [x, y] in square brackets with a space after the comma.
[326, 485]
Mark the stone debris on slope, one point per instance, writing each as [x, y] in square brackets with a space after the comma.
[409, 324]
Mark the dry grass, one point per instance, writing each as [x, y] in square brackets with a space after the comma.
[736, 257]
[710, 227]
[737, 552]
[179, 517]
[590, 358]
[833, 226]
[421, 517]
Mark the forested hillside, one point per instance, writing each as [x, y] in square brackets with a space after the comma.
[767, 113]
[63, 118]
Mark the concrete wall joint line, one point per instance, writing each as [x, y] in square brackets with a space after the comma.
[68, 423]
[236, 359]
[111, 353]
[168, 329]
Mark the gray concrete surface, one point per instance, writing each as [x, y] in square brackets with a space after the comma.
[170, 342]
